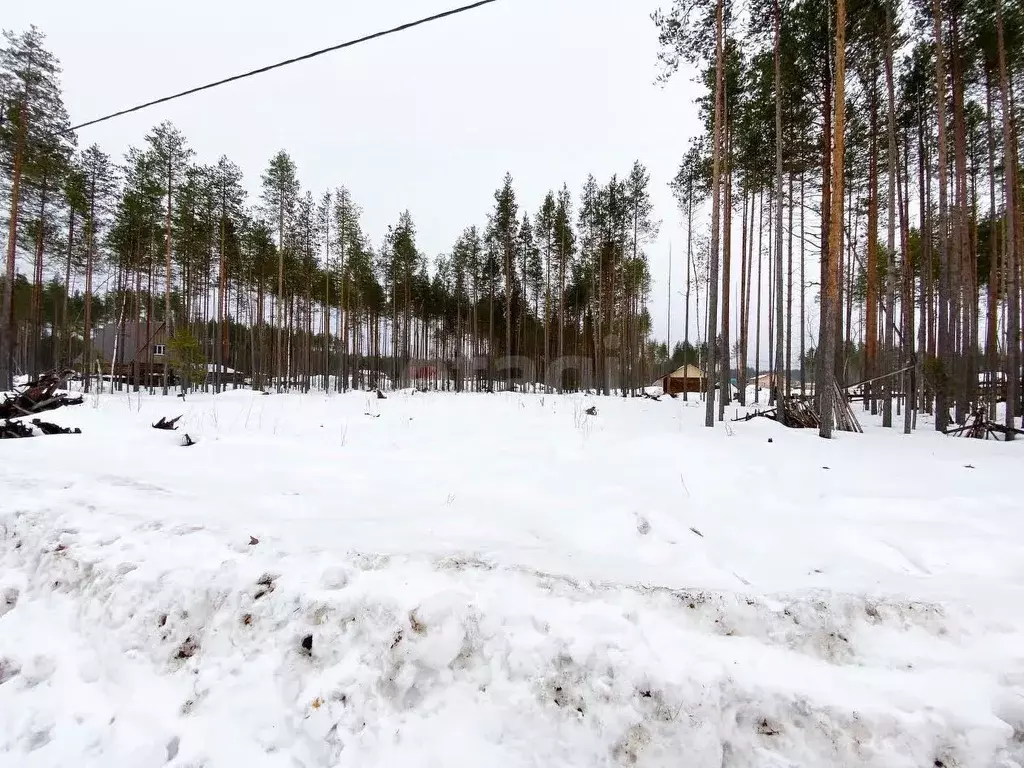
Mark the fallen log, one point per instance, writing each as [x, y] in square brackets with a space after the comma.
[769, 414]
[48, 428]
[11, 429]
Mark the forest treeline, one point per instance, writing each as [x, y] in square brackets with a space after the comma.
[287, 286]
[869, 149]
[850, 207]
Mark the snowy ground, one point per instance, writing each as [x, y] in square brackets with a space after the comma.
[503, 581]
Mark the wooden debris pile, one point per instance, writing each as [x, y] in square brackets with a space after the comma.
[798, 412]
[979, 427]
[9, 430]
[38, 396]
[844, 418]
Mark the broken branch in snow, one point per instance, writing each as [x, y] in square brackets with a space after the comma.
[164, 423]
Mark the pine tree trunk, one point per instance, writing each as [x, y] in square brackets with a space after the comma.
[830, 293]
[168, 327]
[283, 364]
[710, 373]
[943, 349]
[547, 313]
[890, 294]
[90, 229]
[780, 400]
[7, 332]
[963, 277]
[65, 341]
[37, 282]
[903, 193]
[1012, 271]
[741, 365]
[821, 374]
[770, 368]
[789, 295]
[756, 214]
[689, 282]
[925, 348]
[509, 280]
[757, 324]
[991, 337]
[725, 377]
[872, 301]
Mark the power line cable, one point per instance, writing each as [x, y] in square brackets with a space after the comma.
[261, 70]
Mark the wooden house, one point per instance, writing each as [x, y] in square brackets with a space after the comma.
[138, 351]
[688, 378]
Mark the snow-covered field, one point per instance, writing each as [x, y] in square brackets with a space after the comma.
[502, 580]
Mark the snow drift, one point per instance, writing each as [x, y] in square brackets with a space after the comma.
[503, 580]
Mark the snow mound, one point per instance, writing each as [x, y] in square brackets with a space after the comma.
[153, 616]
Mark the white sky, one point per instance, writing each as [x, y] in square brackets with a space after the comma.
[429, 120]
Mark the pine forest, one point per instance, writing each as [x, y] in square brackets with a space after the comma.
[850, 205]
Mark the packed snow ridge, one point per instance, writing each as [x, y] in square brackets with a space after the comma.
[503, 580]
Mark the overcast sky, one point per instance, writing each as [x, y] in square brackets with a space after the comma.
[429, 120]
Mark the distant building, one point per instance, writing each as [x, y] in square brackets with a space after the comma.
[142, 354]
[138, 350]
[688, 378]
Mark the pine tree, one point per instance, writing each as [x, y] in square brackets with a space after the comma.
[230, 196]
[643, 228]
[502, 234]
[353, 269]
[33, 133]
[565, 249]
[99, 189]
[544, 228]
[171, 155]
[280, 194]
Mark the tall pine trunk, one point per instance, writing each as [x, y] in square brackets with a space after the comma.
[7, 332]
[1012, 271]
[710, 373]
[780, 400]
[943, 350]
[830, 294]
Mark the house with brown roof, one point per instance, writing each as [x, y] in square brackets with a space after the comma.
[688, 378]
